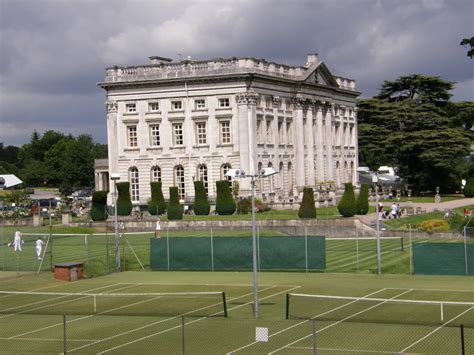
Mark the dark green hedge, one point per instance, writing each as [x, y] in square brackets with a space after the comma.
[99, 202]
[307, 208]
[363, 200]
[157, 203]
[347, 205]
[201, 202]
[174, 212]
[225, 204]
[469, 188]
[124, 201]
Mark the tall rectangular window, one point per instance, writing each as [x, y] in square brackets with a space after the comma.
[225, 132]
[269, 134]
[289, 132]
[281, 133]
[130, 108]
[224, 102]
[134, 185]
[259, 131]
[201, 133]
[179, 181]
[155, 135]
[178, 136]
[132, 136]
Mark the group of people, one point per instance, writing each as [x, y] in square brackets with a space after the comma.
[18, 242]
[394, 212]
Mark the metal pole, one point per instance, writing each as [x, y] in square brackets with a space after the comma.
[465, 252]
[254, 253]
[64, 334]
[379, 256]
[117, 248]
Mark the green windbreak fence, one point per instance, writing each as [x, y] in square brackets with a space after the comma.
[235, 253]
[443, 258]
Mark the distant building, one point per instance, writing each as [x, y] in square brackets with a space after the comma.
[177, 122]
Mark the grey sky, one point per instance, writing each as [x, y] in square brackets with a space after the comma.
[53, 52]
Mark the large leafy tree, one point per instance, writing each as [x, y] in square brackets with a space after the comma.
[412, 125]
[469, 43]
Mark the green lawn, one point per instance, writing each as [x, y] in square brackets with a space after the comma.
[34, 323]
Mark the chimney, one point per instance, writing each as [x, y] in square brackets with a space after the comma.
[312, 59]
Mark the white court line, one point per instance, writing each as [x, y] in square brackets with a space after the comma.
[303, 322]
[200, 284]
[434, 331]
[50, 339]
[354, 261]
[194, 321]
[338, 322]
[342, 350]
[429, 289]
[154, 323]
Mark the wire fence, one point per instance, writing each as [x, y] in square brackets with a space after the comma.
[203, 335]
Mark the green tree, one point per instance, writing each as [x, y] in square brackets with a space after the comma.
[225, 204]
[469, 188]
[201, 202]
[469, 44]
[307, 208]
[362, 202]
[157, 204]
[99, 202]
[175, 211]
[124, 201]
[347, 205]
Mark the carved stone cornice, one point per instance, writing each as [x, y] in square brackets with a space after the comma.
[111, 106]
[246, 98]
[299, 103]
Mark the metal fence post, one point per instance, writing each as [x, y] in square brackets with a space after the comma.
[64, 334]
[463, 350]
[182, 335]
[465, 252]
[313, 321]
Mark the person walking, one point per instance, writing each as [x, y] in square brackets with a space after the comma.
[157, 228]
[39, 247]
[394, 210]
[17, 242]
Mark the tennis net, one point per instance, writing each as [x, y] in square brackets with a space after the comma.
[379, 310]
[191, 304]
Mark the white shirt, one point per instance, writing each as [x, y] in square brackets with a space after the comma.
[158, 227]
[394, 208]
[39, 243]
[17, 236]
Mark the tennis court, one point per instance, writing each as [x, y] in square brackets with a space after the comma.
[182, 312]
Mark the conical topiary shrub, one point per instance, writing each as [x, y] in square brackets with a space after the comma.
[469, 188]
[201, 202]
[99, 201]
[347, 205]
[124, 201]
[307, 209]
[225, 204]
[157, 204]
[362, 203]
[174, 212]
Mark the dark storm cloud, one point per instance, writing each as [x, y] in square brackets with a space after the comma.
[54, 51]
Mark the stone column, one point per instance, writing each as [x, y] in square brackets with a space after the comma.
[113, 141]
[299, 146]
[247, 113]
[319, 142]
[356, 146]
[310, 145]
[329, 141]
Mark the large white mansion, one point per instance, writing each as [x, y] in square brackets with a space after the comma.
[176, 122]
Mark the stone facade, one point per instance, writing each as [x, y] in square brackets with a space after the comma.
[178, 122]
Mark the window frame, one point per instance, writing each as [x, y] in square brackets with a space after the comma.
[132, 136]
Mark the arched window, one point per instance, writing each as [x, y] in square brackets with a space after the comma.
[179, 181]
[155, 173]
[224, 169]
[134, 184]
[351, 173]
[260, 179]
[281, 175]
[290, 179]
[202, 175]
[271, 179]
[338, 174]
[345, 172]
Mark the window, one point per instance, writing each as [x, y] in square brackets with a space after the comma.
[179, 181]
[224, 102]
[199, 104]
[153, 106]
[155, 173]
[260, 178]
[288, 104]
[289, 132]
[225, 132]
[178, 137]
[201, 133]
[259, 131]
[202, 176]
[132, 136]
[155, 135]
[281, 175]
[176, 105]
[130, 108]
[269, 132]
[271, 181]
[281, 133]
[268, 102]
[134, 185]
[224, 169]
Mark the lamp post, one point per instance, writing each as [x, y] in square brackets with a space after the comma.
[238, 173]
[115, 178]
[375, 180]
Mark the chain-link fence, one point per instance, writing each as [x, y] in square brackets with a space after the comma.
[190, 335]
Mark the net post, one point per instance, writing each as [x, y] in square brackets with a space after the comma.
[313, 321]
[64, 335]
[287, 308]
[225, 304]
[442, 312]
[95, 304]
[463, 350]
[182, 335]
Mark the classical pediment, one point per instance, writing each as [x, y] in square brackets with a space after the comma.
[319, 74]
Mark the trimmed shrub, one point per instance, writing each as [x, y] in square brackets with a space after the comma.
[307, 209]
[225, 204]
[347, 205]
[201, 202]
[157, 204]
[244, 205]
[174, 212]
[99, 202]
[124, 201]
[469, 188]
[362, 203]
[433, 225]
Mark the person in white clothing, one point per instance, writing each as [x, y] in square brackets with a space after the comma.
[394, 210]
[17, 241]
[157, 228]
[39, 247]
